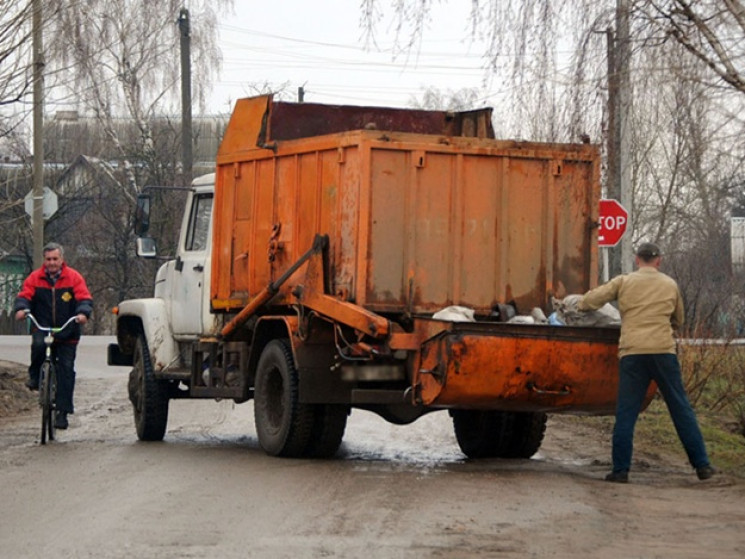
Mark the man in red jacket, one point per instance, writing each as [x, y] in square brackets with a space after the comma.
[54, 293]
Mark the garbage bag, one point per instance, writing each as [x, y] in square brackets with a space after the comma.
[454, 313]
[567, 312]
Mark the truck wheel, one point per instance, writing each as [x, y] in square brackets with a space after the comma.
[148, 395]
[479, 433]
[329, 423]
[498, 434]
[527, 430]
[283, 424]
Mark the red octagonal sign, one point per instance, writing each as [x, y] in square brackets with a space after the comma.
[613, 219]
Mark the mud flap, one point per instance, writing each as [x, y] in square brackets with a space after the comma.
[114, 356]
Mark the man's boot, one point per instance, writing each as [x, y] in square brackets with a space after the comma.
[60, 420]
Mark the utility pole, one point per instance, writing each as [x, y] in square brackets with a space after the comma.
[622, 62]
[612, 255]
[37, 215]
[186, 126]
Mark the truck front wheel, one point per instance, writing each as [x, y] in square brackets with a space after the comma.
[148, 395]
[284, 426]
[329, 423]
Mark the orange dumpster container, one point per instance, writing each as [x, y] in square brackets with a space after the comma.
[416, 221]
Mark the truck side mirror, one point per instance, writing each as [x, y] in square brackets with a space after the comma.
[145, 247]
[142, 215]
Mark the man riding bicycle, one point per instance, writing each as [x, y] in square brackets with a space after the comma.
[54, 293]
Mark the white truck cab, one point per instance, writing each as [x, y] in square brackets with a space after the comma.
[179, 310]
[185, 282]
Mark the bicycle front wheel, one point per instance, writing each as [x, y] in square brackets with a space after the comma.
[47, 395]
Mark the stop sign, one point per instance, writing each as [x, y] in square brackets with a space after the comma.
[613, 219]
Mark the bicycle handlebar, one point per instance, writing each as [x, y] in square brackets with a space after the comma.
[51, 329]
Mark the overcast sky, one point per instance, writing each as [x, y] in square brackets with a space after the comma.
[319, 46]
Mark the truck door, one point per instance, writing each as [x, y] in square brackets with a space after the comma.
[191, 270]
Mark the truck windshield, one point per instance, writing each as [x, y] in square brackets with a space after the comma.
[199, 222]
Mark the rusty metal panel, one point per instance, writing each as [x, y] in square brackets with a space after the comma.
[222, 246]
[528, 368]
[260, 122]
[476, 225]
[289, 121]
[387, 272]
[246, 127]
[346, 235]
[264, 223]
[416, 222]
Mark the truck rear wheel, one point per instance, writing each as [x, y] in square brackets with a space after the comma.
[498, 434]
[527, 434]
[148, 395]
[283, 425]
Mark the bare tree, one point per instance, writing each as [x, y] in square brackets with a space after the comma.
[522, 34]
[526, 44]
[685, 178]
[15, 36]
[458, 100]
[15, 78]
[553, 94]
[119, 62]
[713, 32]
[120, 58]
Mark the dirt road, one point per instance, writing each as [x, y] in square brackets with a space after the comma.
[398, 492]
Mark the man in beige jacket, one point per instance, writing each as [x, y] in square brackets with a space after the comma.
[651, 309]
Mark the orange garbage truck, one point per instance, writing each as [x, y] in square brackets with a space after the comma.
[312, 265]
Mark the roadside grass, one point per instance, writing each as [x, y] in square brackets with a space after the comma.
[725, 446]
[714, 375]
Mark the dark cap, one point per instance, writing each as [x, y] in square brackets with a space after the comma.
[648, 250]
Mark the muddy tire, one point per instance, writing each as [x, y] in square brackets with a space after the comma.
[527, 435]
[478, 433]
[498, 434]
[329, 423]
[148, 395]
[284, 426]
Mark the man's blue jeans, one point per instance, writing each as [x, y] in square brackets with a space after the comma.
[636, 373]
[65, 355]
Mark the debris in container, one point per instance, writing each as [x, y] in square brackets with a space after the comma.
[554, 320]
[565, 311]
[521, 319]
[455, 313]
[536, 316]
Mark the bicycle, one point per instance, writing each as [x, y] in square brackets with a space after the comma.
[48, 377]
